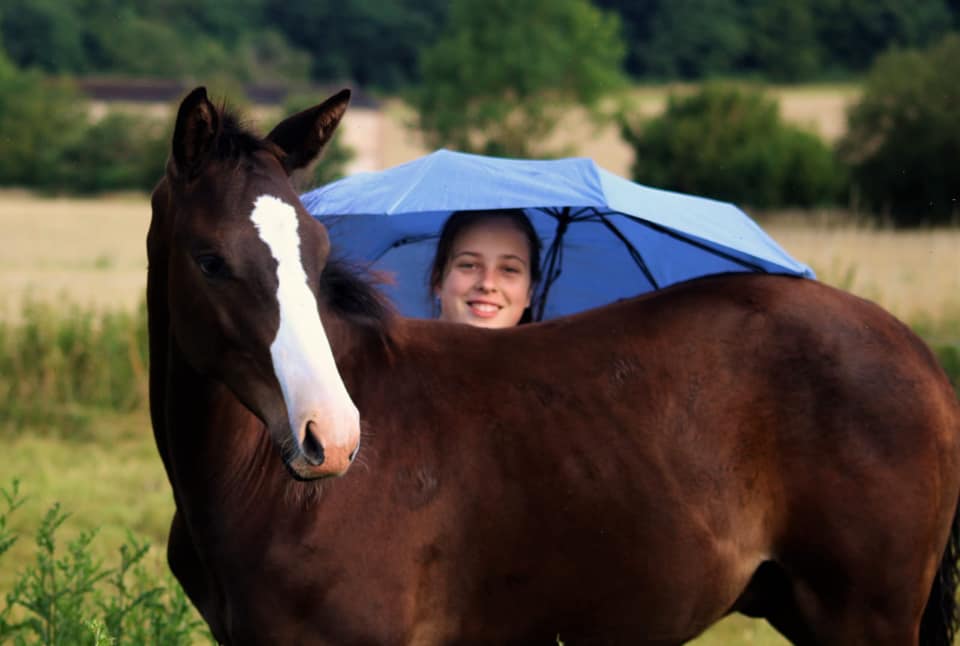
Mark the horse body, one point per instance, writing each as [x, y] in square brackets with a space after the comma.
[743, 443]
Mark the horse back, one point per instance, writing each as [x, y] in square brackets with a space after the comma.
[724, 419]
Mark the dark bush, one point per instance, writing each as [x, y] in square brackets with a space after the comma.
[903, 137]
[48, 143]
[119, 152]
[731, 144]
[39, 117]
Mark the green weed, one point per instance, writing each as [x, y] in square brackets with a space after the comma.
[69, 597]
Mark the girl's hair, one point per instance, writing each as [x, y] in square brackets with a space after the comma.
[459, 221]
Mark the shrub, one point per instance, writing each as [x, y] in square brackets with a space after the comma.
[71, 598]
[903, 136]
[120, 152]
[731, 144]
[48, 143]
[39, 117]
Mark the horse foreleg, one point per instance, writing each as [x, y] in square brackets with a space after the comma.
[190, 571]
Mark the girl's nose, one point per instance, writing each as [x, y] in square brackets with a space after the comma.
[486, 280]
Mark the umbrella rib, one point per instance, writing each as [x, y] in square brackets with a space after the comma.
[554, 260]
[690, 241]
[634, 253]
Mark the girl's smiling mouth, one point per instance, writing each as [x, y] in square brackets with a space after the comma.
[484, 309]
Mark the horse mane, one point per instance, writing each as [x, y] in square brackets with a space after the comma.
[351, 292]
[237, 140]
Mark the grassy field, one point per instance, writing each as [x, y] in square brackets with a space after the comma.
[91, 253]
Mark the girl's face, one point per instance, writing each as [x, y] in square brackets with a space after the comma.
[487, 279]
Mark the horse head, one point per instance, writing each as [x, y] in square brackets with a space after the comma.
[241, 261]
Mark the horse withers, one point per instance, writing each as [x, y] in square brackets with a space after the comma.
[629, 475]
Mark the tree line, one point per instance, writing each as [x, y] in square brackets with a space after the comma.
[501, 75]
[379, 44]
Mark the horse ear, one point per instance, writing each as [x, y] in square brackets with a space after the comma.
[303, 135]
[198, 125]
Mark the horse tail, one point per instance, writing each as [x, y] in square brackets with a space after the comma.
[940, 616]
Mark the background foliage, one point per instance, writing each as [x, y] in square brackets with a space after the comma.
[731, 144]
[903, 141]
[376, 43]
[494, 77]
[504, 72]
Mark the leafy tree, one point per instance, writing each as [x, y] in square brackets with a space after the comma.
[637, 18]
[374, 43]
[782, 41]
[903, 137]
[693, 39]
[731, 144]
[500, 77]
[42, 34]
[853, 32]
[267, 56]
[39, 117]
[119, 152]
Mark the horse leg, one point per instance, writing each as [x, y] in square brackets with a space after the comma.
[861, 602]
[818, 612]
[769, 596]
[190, 571]
[859, 622]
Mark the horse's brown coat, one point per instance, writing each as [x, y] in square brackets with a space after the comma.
[625, 476]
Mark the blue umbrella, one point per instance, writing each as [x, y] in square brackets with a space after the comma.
[605, 238]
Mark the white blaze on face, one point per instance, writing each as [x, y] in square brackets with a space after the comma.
[302, 359]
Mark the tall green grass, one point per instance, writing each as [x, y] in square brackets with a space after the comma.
[60, 366]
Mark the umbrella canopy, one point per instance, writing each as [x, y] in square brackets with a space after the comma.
[605, 238]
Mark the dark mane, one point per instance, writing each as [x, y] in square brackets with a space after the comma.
[237, 140]
[351, 292]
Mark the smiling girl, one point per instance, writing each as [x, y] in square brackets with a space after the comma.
[486, 267]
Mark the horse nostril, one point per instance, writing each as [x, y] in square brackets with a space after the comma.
[312, 449]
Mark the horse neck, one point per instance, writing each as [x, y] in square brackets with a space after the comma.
[361, 350]
[211, 445]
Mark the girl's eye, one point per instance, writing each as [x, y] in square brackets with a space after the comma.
[466, 265]
[212, 265]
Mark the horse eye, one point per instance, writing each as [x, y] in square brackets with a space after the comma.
[212, 265]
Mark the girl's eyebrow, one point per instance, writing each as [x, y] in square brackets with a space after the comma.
[505, 256]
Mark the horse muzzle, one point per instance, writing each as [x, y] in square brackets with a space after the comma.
[324, 447]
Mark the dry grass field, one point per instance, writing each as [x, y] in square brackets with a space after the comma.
[72, 251]
[91, 252]
[913, 274]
